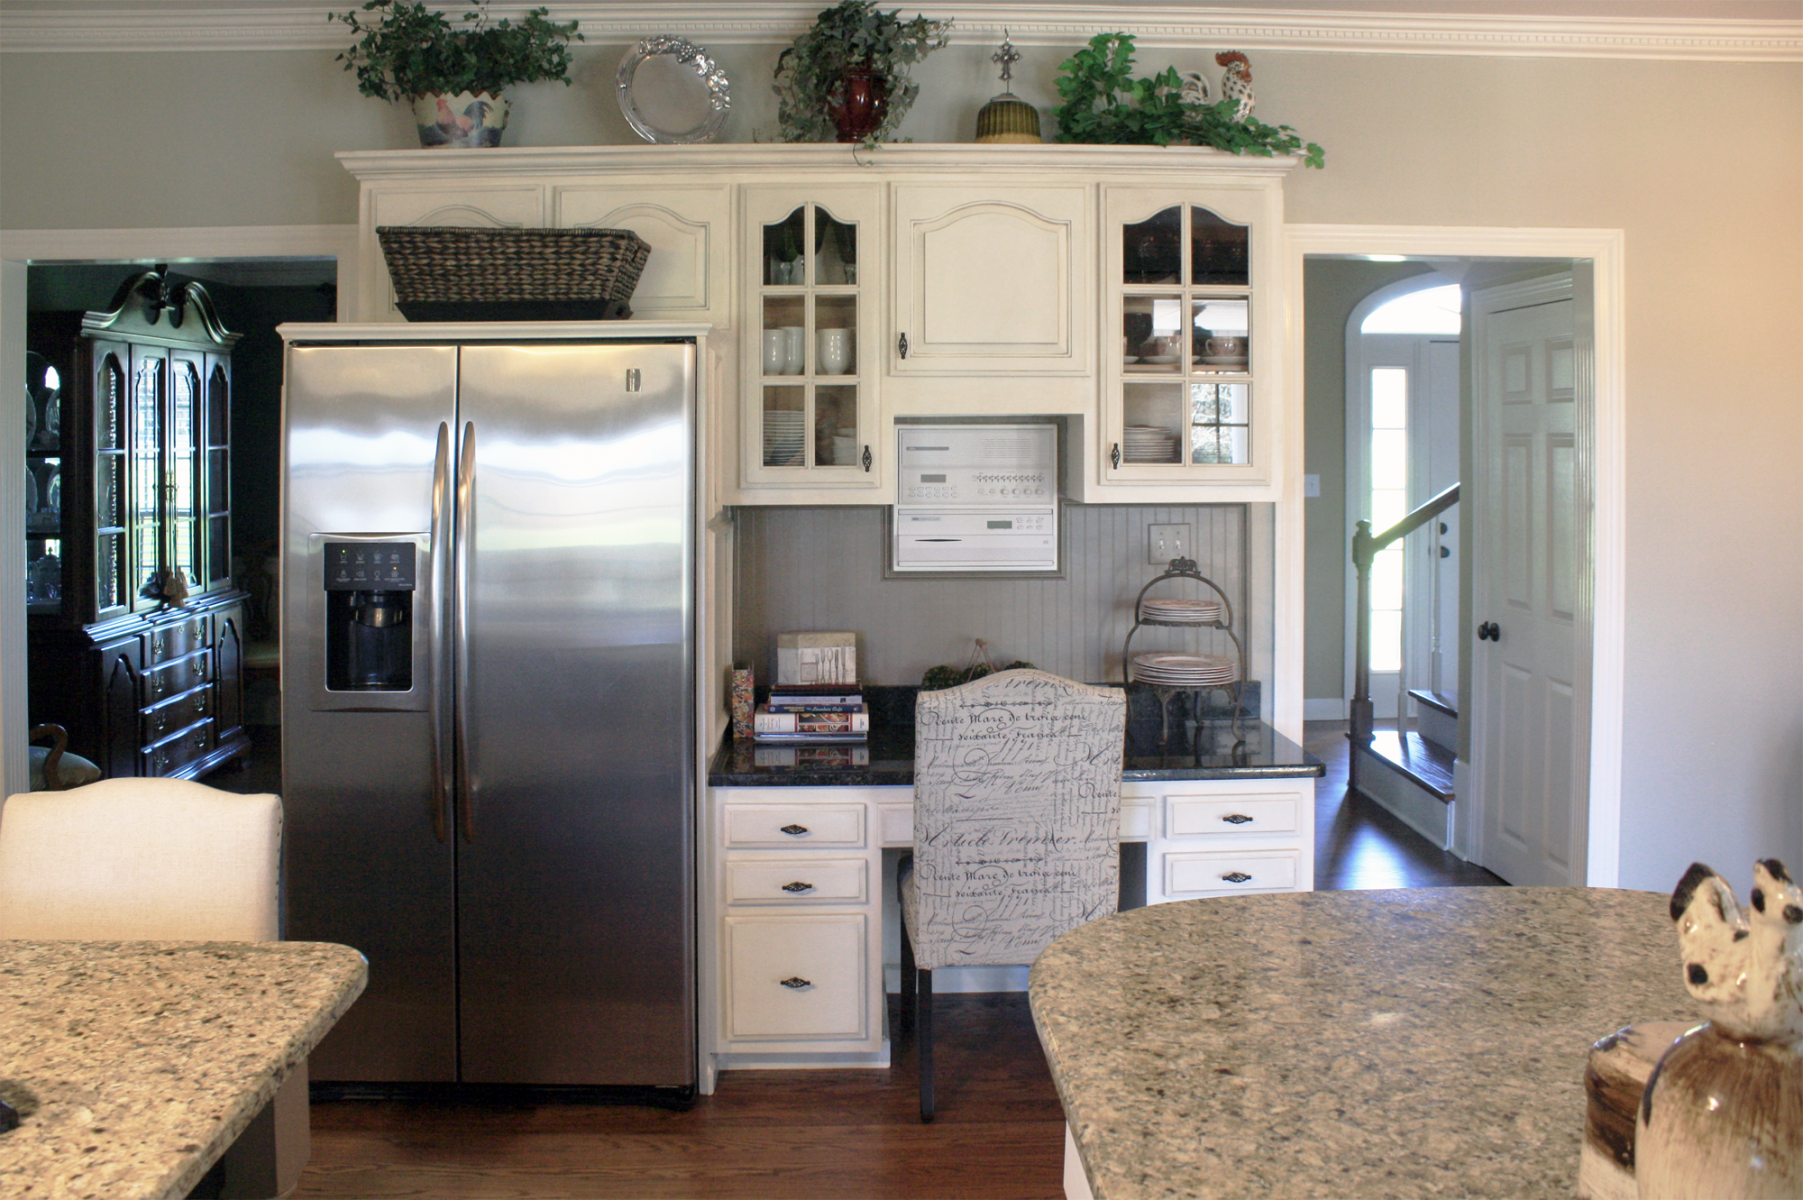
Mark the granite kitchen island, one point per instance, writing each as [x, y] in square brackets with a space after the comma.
[134, 1065]
[1427, 1042]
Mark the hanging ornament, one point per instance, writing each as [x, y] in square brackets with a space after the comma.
[1007, 118]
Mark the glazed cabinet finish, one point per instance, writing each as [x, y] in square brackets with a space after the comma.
[1010, 273]
[147, 681]
[792, 963]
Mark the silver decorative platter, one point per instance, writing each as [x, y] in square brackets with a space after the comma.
[672, 91]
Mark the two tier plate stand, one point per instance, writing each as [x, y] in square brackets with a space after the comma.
[1185, 568]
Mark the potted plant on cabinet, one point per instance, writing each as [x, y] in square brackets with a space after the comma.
[453, 75]
[847, 77]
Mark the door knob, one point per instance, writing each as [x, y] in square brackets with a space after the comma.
[1489, 631]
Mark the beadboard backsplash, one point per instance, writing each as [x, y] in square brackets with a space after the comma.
[822, 568]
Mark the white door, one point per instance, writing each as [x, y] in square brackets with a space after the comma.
[1529, 583]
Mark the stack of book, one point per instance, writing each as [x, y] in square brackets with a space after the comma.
[813, 712]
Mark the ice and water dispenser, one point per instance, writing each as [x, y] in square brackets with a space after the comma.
[369, 589]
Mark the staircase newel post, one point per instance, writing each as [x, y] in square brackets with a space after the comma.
[1361, 713]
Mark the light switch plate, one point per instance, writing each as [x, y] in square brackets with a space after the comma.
[1165, 542]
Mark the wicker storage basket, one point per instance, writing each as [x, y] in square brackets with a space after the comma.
[445, 273]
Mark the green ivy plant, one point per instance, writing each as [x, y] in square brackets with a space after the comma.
[1103, 103]
[403, 51]
[851, 36]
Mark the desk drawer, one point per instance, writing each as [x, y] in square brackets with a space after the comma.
[759, 825]
[797, 881]
[1229, 872]
[1195, 816]
[796, 978]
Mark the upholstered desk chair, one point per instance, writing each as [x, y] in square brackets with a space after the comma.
[1017, 818]
[155, 860]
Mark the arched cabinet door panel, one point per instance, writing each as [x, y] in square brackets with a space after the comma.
[228, 653]
[991, 282]
[120, 700]
[687, 277]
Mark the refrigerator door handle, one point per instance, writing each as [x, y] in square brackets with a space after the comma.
[436, 715]
[466, 550]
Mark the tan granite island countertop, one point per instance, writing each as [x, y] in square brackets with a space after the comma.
[134, 1065]
[1427, 1042]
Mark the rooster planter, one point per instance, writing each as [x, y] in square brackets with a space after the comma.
[1722, 1113]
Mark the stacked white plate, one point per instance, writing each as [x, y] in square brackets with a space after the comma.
[785, 434]
[1184, 670]
[1149, 443]
[1182, 612]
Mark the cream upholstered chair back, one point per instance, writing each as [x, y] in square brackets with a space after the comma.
[1017, 816]
[153, 859]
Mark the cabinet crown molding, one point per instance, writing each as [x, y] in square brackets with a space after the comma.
[751, 162]
[85, 26]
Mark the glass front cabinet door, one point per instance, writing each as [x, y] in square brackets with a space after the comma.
[1189, 342]
[809, 420]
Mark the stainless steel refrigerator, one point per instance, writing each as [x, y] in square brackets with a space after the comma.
[488, 698]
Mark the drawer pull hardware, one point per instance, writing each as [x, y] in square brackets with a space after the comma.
[796, 981]
[1236, 877]
[795, 830]
[1236, 818]
[798, 886]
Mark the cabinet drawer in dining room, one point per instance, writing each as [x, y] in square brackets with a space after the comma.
[1195, 816]
[164, 719]
[183, 674]
[761, 825]
[172, 641]
[799, 978]
[797, 881]
[174, 753]
[1225, 872]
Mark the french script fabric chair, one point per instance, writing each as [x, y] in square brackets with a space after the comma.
[159, 860]
[1017, 817]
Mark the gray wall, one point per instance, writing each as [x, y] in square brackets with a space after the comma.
[822, 568]
[1699, 163]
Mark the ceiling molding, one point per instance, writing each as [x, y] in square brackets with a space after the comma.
[78, 26]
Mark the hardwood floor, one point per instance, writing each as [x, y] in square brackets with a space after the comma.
[801, 1135]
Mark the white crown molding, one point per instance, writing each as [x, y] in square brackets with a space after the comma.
[79, 26]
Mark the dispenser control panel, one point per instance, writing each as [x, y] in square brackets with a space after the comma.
[369, 566]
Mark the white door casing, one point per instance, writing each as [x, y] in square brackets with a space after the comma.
[1530, 685]
[1600, 287]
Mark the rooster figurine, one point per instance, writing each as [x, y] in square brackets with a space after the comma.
[1236, 82]
[1722, 1113]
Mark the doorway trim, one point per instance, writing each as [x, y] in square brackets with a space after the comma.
[1605, 248]
[22, 247]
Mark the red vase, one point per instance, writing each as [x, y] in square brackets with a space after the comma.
[866, 100]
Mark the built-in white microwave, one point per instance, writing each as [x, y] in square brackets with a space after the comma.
[980, 497]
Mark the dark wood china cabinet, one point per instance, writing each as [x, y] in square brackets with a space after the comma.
[137, 631]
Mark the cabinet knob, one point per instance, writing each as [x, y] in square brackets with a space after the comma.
[795, 830]
[901, 345]
[867, 459]
[1236, 877]
[1236, 818]
[1114, 455]
[796, 982]
[798, 886]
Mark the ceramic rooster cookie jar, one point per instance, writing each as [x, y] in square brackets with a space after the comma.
[1722, 1113]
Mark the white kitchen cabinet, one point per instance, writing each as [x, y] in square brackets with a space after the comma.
[1217, 837]
[991, 281]
[688, 276]
[809, 419]
[792, 955]
[1189, 342]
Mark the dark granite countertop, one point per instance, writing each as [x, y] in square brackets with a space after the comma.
[1216, 751]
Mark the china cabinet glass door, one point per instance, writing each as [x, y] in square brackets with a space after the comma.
[1183, 357]
[44, 459]
[112, 558]
[809, 417]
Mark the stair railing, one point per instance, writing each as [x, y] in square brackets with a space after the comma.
[1365, 547]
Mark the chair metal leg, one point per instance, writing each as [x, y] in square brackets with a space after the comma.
[924, 1044]
[907, 980]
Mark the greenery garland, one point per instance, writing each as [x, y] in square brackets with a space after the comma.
[1103, 103]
